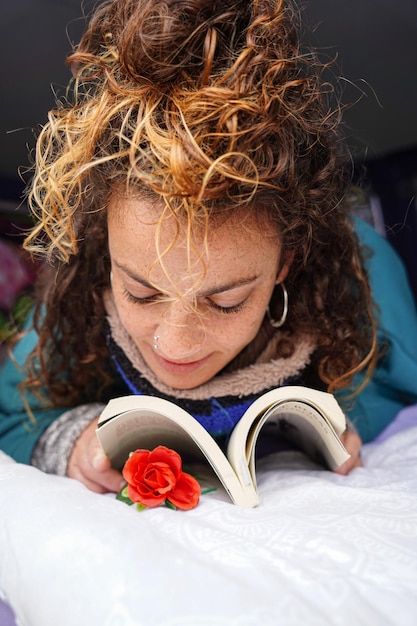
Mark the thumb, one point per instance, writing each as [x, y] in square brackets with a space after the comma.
[100, 461]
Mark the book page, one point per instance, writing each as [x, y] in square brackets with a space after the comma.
[304, 426]
[311, 420]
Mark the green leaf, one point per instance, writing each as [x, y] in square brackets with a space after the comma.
[140, 507]
[170, 505]
[123, 497]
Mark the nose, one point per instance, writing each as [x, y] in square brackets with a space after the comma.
[180, 333]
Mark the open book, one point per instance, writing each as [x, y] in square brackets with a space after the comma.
[311, 420]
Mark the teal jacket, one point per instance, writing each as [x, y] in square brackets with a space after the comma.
[393, 386]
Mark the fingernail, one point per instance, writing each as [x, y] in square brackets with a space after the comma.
[98, 460]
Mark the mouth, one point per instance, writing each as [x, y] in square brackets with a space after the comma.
[179, 367]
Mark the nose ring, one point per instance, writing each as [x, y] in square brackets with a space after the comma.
[156, 339]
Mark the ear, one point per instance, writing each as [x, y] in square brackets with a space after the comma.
[285, 267]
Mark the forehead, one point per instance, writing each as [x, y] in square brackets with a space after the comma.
[144, 238]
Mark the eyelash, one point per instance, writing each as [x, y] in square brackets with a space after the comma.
[220, 309]
[226, 309]
[137, 300]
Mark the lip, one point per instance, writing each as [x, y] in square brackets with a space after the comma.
[178, 367]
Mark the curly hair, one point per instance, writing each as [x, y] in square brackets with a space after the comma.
[208, 105]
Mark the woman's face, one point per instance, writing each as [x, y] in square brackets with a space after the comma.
[218, 316]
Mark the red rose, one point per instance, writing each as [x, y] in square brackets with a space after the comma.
[155, 476]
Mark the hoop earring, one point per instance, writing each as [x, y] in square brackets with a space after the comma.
[281, 321]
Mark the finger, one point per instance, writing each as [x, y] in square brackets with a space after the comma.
[95, 472]
[90, 484]
[353, 445]
[100, 461]
[103, 473]
[349, 465]
[99, 482]
[111, 480]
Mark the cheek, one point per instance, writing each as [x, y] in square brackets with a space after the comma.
[254, 318]
[132, 318]
[237, 331]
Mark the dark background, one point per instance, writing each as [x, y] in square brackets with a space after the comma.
[376, 46]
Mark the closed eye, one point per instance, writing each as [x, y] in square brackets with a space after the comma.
[136, 300]
[235, 308]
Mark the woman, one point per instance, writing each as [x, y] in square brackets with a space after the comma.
[190, 205]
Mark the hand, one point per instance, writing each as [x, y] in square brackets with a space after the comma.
[353, 444]
[91, 466]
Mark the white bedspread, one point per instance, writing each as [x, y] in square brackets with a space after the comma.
[320, 549]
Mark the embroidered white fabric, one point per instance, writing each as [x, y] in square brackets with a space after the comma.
[320, 549]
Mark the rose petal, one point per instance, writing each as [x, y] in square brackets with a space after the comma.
[150, 500]
[186, 493]
[159, 477]
[138, 458]
[172, 458]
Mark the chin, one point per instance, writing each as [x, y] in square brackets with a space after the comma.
[183, 381]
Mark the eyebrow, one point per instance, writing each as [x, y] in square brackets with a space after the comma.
[234, 284]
